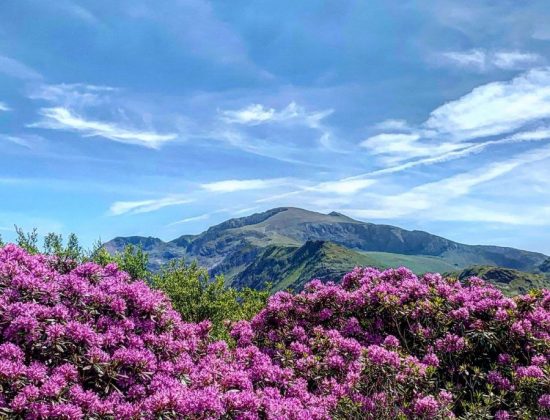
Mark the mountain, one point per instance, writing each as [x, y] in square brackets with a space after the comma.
[287, 246]
[295, 266]
[510, 281]
[545, 266]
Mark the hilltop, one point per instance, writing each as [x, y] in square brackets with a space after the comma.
[287, 246]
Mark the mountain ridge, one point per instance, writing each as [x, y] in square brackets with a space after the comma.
[240, 244]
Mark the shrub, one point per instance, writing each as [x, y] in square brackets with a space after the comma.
[391, 345]
[197, 297]
[93, 343]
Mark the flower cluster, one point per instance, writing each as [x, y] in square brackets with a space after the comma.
[91, 343]
[391, 345]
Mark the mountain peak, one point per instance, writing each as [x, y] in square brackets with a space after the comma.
[291, 233]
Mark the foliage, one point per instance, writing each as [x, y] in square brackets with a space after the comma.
[27, 241]
[391, 345]
[194, 294]
[131, 260]
[94, 343]
[510, 282]
[196, 297]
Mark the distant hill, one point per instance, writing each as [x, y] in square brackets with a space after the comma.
[287, 246]
[510, 281]
[545, 266]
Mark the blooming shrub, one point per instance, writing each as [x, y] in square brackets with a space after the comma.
[92, 343]
[391, 345]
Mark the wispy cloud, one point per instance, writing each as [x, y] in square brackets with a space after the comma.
[253, 114]
[191, 219]
[482, 60]
[495, 108]
[398, 147]
[233, 185]
[76, 10]
[59, 118]
[240, 126]
[516, 60]
[436, 195]
[342, 187]
[4, 107]
[473, 59]
[393, 124]
[455, 129]
[18, 70]
[73, 95]
[146, 206]
[21, 140]
[256, 114]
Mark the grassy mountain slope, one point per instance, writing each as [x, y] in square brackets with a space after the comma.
[277, 244]
[291, 267]
[508, 280]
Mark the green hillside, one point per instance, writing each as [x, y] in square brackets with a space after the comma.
[292, 267]
[290, 246]
[511, 282]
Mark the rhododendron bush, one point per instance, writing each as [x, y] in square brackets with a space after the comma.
[92, 343]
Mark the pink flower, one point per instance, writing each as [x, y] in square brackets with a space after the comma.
[426, 406]
[530, 372]
[544, 401]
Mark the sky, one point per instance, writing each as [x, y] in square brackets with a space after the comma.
[164, 118]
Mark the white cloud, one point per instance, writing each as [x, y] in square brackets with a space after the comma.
[25, 141]
[470, 213]
[434, 196]
[18, 70]
[482, 60]
[495, 108]
[473, 59]
[233, 185]
[343, 187]
[393, 124]
[64, 119]
[4, 107]
[256, 114]
[514, 60]
[398, 147]
[367, 179]
[253, 114]
[449, 133]
[146, 206]
[76, 10]
[73, 95]
[191, 219]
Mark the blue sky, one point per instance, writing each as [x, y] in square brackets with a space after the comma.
[163, 118]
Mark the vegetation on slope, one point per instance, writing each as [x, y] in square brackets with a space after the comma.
[86, 341]
[240, 245]
[193, 292]
[511, 282]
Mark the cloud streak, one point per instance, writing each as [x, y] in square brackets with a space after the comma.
[59, 118]
[234, 185]
[257, 114]
[16, 69]
[483, 61]
[455, 128]
[146, 206]
[191, 219]
[436, 194]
